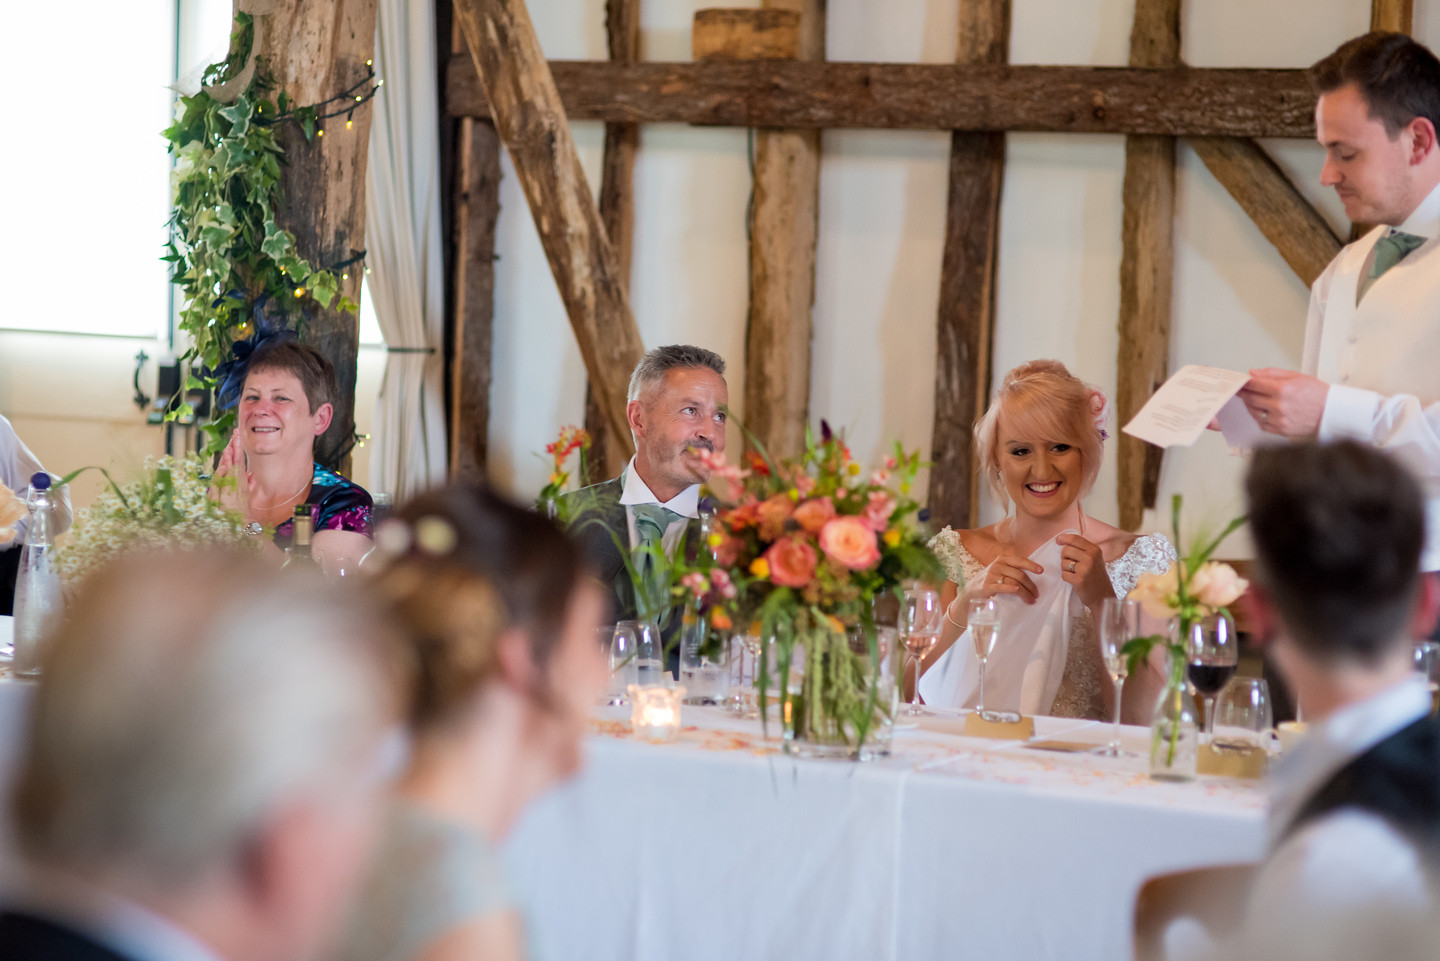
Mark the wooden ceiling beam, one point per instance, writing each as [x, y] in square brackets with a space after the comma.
[1181, 101]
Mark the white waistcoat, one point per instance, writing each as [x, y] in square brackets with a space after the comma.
[1390, 342]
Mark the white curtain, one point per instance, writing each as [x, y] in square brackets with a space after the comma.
[403, 243]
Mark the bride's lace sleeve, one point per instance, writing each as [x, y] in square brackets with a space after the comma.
[1150, 554]
[959, 565]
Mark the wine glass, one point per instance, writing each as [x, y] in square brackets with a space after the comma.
[983, 619]
[920, 621]
[1119, 622]
[1214, 655]
[1243, 716]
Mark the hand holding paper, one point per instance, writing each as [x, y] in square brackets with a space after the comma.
[1177, 413]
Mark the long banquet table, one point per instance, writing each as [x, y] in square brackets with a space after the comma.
[720, 846]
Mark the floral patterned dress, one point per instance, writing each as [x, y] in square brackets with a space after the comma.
[336, 504]
[1082, 690]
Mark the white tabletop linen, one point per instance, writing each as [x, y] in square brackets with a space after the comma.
[719, 847]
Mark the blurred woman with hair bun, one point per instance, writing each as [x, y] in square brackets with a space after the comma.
[503, 668]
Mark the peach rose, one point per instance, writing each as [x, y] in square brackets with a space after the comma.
[1157, 593]
[1216, 585]
[773, 512]
[791, 562]
[813, 514]
[877, 512]
[850, 542]
[12, 509]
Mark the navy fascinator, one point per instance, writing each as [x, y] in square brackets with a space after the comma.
[230, 375]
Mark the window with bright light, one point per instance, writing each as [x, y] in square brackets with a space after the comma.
[86, 175]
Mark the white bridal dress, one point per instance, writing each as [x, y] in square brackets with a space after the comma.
[1040, 663]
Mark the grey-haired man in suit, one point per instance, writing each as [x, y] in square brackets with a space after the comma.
[676, 408]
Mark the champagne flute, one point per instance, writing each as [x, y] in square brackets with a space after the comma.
[1119, 622]
[1214, 655]
[920, 622]
[983, 620]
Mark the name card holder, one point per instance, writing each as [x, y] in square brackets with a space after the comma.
[999, 727]
[1228, 761]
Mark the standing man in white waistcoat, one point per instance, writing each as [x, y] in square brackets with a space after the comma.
[1371, 369]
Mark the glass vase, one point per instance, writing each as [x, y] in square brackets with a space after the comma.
[842, 691]
[1174, 733]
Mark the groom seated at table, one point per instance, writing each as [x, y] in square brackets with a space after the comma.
[676, 408]
[198, 780]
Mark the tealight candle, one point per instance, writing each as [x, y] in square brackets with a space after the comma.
[655, 711]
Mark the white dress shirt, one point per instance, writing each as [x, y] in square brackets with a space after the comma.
[17, 465]
[636, 491]
[1346, 884]
[1379, 355]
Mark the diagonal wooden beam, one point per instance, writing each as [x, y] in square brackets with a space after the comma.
[966, 322]
[532, 123]
[1146, 266]
[1177, 101]
[617, 211]
[1282, 213]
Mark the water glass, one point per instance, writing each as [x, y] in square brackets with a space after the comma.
[1244, 716]
[1119, 624]
[623, 667]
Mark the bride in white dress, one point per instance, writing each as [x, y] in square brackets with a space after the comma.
[1040, 446]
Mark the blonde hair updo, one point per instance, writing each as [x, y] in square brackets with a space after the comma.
[1041, 399]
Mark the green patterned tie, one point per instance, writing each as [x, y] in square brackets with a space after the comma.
[651, 522]
[1389, 251]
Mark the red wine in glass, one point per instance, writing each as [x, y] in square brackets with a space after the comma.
[1208, 677]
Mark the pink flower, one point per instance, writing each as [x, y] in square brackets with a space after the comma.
[850, 542]
[877, 512]
[1157, 593]
[695, 582]
[1217, 585]
[725, 481]
[792, 562]
[727, 552]
[773, 512]
[880, 477]
[804, 484]
[721, 579]
[891, 463]
[813, 514]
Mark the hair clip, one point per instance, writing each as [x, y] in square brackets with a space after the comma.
[435, 535]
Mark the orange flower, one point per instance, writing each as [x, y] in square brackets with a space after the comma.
[760, 567]
[720, 620]
[849, 542]
[813, 514]
[772, 513]
[791, 561]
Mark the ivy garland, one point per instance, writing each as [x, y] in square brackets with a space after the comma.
[229, 255]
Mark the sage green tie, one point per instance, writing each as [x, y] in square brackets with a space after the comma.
[651, 522]
[1389, 251]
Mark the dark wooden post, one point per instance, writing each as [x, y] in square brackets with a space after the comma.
[966, 319]
[1146, 266]
[315, 49]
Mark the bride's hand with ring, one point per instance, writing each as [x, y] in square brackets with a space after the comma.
[1082, 565]
[1010, 574]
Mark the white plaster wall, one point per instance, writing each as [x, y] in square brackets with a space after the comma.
[881, 221]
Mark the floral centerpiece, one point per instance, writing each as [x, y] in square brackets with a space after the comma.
[1193, 589]
[803, 547]
[168, 506]
[571, 440]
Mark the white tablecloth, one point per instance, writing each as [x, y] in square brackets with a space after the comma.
[720, 847]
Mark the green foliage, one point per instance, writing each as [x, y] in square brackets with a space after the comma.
[226, 250]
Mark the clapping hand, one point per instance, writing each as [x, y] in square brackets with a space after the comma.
[234, 496]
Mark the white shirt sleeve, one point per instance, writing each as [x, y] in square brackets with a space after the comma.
[1398, 423]
[17, 464]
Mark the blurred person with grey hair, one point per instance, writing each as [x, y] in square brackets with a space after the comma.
[676, 409]
[199, 778]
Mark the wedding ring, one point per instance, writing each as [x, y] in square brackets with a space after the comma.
[1264, 415]
[1002, 579]
[1072, 567]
